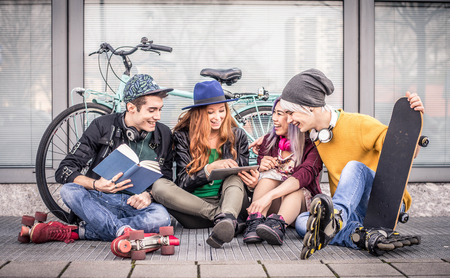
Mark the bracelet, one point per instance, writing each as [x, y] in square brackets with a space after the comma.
[93, 184]
[206, 170]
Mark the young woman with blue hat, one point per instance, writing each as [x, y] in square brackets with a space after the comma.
[207, 138]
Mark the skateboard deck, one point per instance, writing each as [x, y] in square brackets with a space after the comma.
[394, 166]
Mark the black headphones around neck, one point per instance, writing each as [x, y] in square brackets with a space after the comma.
[325, 135]
[132, 133]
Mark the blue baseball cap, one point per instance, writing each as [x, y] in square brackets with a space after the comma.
[141, 85]
[208, 92]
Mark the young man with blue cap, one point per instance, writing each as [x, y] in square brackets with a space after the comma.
[105, 212]
[206, 138]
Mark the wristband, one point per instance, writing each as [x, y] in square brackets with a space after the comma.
[206, 170]
[93, 185]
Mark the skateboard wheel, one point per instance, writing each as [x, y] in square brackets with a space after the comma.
[28, 220]
[124, 246]
[166, 231]
[136, 235]
[23, 239]
[40, 216]
[138, 255]
[403, 217]
[168, 250]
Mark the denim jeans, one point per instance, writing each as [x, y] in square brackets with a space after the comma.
[105, 216]
[351, 198]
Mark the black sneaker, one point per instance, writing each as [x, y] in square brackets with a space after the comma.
[252, 222]
[380, 240]
[323, 224]
[225, 226]
[272, 230]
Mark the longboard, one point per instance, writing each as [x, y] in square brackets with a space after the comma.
[394, 166]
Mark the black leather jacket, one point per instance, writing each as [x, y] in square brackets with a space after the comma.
[183, 157]
[103, 136]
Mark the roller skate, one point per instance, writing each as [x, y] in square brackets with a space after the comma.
[28, 223]
[323, 224]
[380, 240]
[43, 232]
[135, 244]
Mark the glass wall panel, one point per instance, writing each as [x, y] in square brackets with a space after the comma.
[270, 41]
[25, 78]
[412, 53]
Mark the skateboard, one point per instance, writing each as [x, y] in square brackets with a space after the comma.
[394, 167]
[28, 222]
[135, 244]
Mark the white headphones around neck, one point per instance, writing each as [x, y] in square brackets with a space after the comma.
[325, 135]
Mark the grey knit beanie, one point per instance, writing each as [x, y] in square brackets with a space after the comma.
[308, 88]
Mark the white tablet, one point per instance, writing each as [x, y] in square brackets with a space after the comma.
[220, 174]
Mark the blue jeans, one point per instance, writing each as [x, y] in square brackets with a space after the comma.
[351, 198]
[105, 216]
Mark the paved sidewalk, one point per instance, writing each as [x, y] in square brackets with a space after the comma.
[194, 258]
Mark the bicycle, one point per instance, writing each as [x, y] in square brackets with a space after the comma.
[65, 130]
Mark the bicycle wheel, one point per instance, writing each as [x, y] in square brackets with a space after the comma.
[58, 139]
[256, 123]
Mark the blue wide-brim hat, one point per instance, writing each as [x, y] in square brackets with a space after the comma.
[208, 92]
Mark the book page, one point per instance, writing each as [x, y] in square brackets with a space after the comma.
[151, 165]
[128, 152]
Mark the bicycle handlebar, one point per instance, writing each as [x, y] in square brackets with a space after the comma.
[145, 45]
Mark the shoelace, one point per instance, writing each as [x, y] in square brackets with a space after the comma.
[61, 235]
[251, 224]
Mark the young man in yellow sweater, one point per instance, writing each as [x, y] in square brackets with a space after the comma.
[349, 145]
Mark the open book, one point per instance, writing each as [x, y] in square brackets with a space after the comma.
[125, 160]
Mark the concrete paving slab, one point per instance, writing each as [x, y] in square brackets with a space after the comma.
[364, 270]
[423, 269]
[33, 269]
[98, 269]
[414, 260]
[362, 261]
[225, 271]
[298, 269]
[174, 263]
[167, 270]
[227, 262]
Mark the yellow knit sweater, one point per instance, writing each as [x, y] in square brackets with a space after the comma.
[355, 137]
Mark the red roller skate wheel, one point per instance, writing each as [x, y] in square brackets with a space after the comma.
[166, 231]
[168, 250]
[23, 239]
[40, 216]
[136, 235]
[25, 231]
[28, 220]
[124, 246]
[138, 255]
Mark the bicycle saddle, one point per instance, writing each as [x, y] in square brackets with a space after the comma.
[227, 76]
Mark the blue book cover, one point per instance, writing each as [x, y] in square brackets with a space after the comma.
[123, 159]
